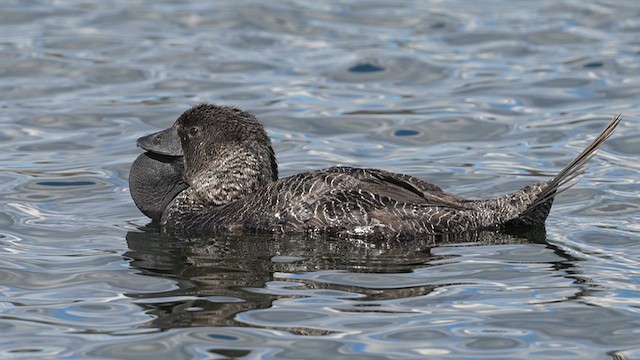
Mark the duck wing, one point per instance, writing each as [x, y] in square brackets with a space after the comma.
[401, 188]
[343, 196]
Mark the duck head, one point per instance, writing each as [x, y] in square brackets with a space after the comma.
[227, 152]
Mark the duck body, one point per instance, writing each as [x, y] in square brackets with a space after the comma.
[226, 160]
[343, 201]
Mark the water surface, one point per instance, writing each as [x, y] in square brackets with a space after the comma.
[480, 99]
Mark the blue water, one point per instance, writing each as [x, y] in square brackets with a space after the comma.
[479, 98]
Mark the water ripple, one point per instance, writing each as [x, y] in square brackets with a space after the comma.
[480, 100]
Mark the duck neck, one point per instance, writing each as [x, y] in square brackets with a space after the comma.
[234, 174]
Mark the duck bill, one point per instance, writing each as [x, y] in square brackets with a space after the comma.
[165, 142]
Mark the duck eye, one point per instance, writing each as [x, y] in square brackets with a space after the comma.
[194, 131]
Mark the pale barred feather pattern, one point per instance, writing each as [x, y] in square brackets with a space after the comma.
[240, 176]
[326, 201]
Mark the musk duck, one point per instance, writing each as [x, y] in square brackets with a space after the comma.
[214, 171]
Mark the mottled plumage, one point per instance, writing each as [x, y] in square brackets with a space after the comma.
[231, 171]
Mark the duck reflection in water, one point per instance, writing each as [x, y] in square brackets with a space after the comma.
[225, 275]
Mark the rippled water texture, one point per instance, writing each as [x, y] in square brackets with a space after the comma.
[480, 98]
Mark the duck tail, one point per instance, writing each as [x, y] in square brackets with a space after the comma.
[537, 210]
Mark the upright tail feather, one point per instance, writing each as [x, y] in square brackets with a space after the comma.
[539, 208]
